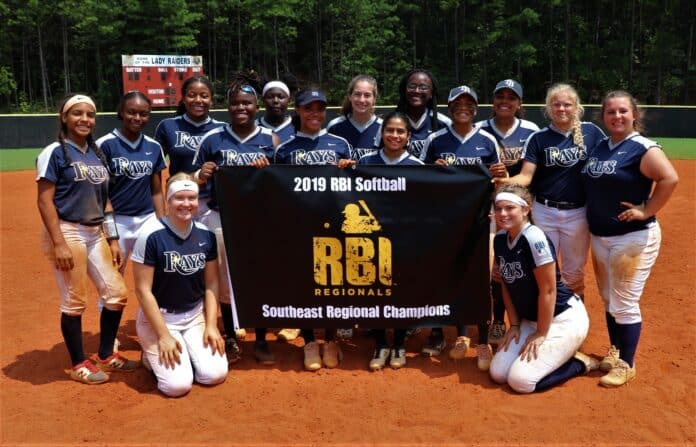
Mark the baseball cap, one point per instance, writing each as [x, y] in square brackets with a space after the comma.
[308, 96]
[459, 91]
[511, 84]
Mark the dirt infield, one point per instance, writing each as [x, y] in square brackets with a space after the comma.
[434, 402]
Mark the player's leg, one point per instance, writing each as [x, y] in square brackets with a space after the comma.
[209, 368]
[601, 267]
[547, 218]
[632, 258]
[572, 248]
[566, 334]
[172, 382]
[503, 359]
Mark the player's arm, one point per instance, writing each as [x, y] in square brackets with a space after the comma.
[169, 347]
[156, 192]
[62, 253]
[211, 334]
[524, 178]
[545, 276]
[497, 167]
[116, 254]
[514, 332]
[656, 167]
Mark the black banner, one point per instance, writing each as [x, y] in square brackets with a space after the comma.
[377, 246]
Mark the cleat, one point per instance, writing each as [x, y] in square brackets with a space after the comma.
[398, 357]
[312, 360]
[484, 352]
[610, 360]
[115, 363]
[436, 343]
[496, 332]
[263, 353]
[379, 360]
[87, 372]
[240, 334]
[332, 354]
[591, 363]
[461, 345]
[619, 375]
[288, 334]
[233, 351]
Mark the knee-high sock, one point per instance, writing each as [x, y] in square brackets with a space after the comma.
[380, 338]
[227, 321]
[611, 328]
[71, 327]
[498, 303]
[628, 335]
[308, 335]
[108, 322]
[571, 368]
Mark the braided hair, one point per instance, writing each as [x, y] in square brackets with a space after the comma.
[402, 105]
[63, 135]
[243, 78]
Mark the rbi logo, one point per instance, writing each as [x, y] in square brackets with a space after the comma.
[509, 83]
[359, 259]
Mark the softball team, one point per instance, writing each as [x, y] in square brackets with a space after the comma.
[628, 179]
[80, 237]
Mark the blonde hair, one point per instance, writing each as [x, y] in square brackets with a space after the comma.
[521, 191]
[557, 89]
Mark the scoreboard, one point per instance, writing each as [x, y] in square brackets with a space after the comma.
[159, 77]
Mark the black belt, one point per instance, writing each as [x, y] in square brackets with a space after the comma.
[170, 310]
[558, 205]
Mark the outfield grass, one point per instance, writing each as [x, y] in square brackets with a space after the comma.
[21, 159]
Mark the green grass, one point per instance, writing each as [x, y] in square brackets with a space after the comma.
[22, 159]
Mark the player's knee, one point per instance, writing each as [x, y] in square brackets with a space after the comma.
[498, 371]
[519, 382]
[627, 316]
[212, 376]
[175, 388]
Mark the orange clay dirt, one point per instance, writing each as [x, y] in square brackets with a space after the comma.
[430, 401]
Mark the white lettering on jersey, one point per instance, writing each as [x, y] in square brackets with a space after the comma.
[510, 271]
[453, 160]
[564, 157]
[132, 169]
[93, 174]
[186, 264]
[595, 168]
[185, 139]
[318, 157]
[231, 157]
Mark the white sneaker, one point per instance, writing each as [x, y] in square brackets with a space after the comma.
[379, 360]
[288, 334]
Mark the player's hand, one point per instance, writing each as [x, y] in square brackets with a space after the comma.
[512, 334]
[207, 171]
[633, 212]
[441, 162]
[169, 349]
[212, 338]
[498, 170]
[345, 163]
[530, 350]
[116, 255]
[63, 257]
[260, 162]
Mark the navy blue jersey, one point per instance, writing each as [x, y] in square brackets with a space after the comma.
[178, 283]
[180, 137]
[321, 149]
[363, 139]
[611, 176]
[378, 158]
[516, 262]
[131, 165]
[511, 143]
[422, 129]
[224, 147]
[559, 162]
[475, 148]
[81, 187]
[284, 131]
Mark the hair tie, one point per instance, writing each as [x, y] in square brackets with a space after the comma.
[181, 185]
[77, 99]
[276, 84]
[510, 197]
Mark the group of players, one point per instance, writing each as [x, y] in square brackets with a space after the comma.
[102, 202]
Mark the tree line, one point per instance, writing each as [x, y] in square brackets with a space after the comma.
[644, 46]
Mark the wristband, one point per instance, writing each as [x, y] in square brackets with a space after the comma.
[109, 226]
[513, 325]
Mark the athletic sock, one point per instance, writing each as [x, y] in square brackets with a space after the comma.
[227, 321]
[108, 326]
[571, 368]
[399, 337]
[482, 333]
[628, 335]
[260, 333]
[381, 338]
[308, 335]
[498, 303]
[611, 328]
[71, 327]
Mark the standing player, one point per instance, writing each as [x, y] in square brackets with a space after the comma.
[72, 177]
[358, 123]
[511, 132]
[174, 263]
[462, 143]
[135, 162]
[313, 145]
[548, 323]
[418, 101]
[552, 162]
[628, 179]
[241, 143]
[276, 97]
[395, 134]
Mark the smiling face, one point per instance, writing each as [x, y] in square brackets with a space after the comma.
[362, 98]
[419, 90]
[183, 205]
[276, 103]
[79, 121]
[242, 109]
[197, 101]
[619, 115]
[510, 216]
[312, 117]
[135, 115]
[563, 109]
[506, 103]
[395, 135]
[462, 110]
